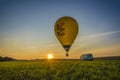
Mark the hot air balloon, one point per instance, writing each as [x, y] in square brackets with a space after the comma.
[66, 30]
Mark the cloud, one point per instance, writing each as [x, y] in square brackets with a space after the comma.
[53, 44]
[26, 48]
[94, 41]
[93, 36]
[1, 50]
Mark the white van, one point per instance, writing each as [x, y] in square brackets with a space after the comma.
[88, 56]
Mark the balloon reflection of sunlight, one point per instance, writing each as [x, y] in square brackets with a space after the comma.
[50, 56]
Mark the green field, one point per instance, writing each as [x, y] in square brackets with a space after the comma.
[60, 70]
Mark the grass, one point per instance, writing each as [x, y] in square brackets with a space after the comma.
[60, 70]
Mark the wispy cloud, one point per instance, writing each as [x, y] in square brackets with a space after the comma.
[27, 48]
[84, 40]
[95, 41]
[93, 36]
[2, 51]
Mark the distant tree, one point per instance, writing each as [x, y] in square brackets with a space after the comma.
[1, 58]
[6, 58]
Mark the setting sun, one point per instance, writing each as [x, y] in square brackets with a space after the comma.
[50, 56]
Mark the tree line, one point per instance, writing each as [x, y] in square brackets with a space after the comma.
[6, 58]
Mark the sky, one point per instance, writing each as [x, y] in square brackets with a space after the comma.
[27, 28]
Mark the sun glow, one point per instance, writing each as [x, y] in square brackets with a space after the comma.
[50, 56]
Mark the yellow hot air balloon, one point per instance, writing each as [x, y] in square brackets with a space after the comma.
[66, 30]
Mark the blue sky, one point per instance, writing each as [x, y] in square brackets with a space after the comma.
[27, 27]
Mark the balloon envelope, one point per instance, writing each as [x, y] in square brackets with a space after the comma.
[66, 30]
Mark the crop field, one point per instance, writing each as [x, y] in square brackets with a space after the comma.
[60, 70]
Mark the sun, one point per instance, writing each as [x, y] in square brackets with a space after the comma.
[50, 56]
